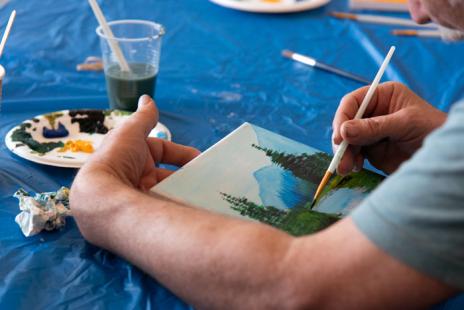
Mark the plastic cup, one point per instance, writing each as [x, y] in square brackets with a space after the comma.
[140, 43]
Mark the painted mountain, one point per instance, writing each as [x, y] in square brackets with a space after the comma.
[256, 174]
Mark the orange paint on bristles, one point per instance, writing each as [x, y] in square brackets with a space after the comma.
[342, 15]
[405, 32]
[321, 186]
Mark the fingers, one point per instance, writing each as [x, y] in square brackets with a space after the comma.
[155, 176]
[358, 163]
[171, 153]
[418, 12]
[379, 105]
[163, 173]
[347, 109]
[352, 161]
[142, 121]
[166, 152]
[371, 130]
[346, 163]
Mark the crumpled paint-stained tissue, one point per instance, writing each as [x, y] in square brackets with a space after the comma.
[42, 211]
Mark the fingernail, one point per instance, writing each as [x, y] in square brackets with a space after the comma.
[335, 148]
[356, 168]
[351, 131]
[144, 100]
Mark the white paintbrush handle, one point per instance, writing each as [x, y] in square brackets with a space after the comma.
[344, 145]
[107, 31]
[338, 157]
[377, 19]
[374, 84]
[7, 31]
[429, 33]
[304, 59]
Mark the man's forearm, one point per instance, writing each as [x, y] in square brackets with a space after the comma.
[216, 262]
[205, 258]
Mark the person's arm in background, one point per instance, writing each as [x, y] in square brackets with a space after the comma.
[213, 261]
[394, 127]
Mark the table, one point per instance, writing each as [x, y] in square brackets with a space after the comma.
[219, 68]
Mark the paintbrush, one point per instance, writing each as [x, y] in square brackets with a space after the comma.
[381, 20]
[317, 64]
[417, 33]
[362, 108]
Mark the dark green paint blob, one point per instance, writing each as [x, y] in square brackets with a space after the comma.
[90, 121]
[21, 135]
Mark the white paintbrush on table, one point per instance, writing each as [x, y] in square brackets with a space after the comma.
[381, 20]
[417, 33]
[309, 61]
[362, 108]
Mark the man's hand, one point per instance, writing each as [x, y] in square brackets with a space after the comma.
[122, 167]
[418, 12]
[395, 125]
[128, 155]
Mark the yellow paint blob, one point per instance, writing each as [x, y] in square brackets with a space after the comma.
[77, 146]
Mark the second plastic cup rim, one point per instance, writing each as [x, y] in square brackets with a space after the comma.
[159, 27]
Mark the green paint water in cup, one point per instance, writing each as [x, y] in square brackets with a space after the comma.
[139, 45]
[125, 88]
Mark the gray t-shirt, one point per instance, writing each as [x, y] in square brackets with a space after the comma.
[417, 214]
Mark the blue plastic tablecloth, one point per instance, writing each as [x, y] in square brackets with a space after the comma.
[219, 68]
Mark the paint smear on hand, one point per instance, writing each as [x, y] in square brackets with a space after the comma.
[77, 146]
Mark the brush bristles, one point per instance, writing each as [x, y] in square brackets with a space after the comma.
[287, 53]
[342, 15]
[321, 186]
[313, 204]
[405, 32]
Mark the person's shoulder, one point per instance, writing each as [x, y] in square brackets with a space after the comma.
[454, 125]
[458, 107]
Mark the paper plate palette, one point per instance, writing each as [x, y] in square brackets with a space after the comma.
[65, 138]
[271, 6]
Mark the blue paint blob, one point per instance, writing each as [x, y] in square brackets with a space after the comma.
[60, 132]
[161, 135]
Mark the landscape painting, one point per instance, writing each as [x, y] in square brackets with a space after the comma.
[256, 174]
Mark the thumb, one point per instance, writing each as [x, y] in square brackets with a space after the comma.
[370, 130]
[146, 116]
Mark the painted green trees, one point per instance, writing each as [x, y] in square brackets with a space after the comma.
[310, 167]
[269, 215]
[297, 221]
[300, 219]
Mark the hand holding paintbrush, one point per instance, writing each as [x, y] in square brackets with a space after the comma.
[344, 145]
